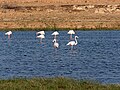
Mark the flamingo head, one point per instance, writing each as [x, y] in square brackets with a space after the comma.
[76, 37]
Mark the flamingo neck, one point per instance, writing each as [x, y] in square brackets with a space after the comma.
[76, 41]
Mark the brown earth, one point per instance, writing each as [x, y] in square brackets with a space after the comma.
[76, 14]
[62, 1]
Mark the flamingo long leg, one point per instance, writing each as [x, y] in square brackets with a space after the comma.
[8, 36]
[55, 37]
[41, 40]
[70, 36]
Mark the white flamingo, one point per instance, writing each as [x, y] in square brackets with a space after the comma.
[56, 45]
[73, 43]
[71, 32]
[41, 37]
[41, 32]
[9, 33]
[55, 34]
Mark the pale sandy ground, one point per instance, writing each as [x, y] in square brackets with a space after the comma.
[62, 1]
[59, 14]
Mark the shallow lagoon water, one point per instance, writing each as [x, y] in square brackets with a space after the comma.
[96, 57]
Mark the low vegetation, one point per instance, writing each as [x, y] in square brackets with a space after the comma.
[37, 14]
[53, 84]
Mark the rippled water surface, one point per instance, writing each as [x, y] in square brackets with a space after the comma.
[96, 57]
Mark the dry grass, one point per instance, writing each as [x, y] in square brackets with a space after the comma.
[62, 1]
[38, 14]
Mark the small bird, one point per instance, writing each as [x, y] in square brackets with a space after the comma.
[9, 33]
[55, 34]
[56, 45]
[41, 32]
[73, 43]
[71, 32]
[41, 37]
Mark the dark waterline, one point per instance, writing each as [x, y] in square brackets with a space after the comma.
[96, 57]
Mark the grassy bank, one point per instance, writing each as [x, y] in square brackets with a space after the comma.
[35, 29]
[53, 84]
[56, 29]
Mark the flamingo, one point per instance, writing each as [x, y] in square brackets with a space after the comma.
[41, 37]
[56, 45]
[41, 32]
[71, 32]
[8, 33]
[73, 43]
[55, 34]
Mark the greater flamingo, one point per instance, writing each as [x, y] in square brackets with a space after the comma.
[72, 43]
[55, 34]
[56, 45]
[71, 32]
[8, 33]
[41, 37]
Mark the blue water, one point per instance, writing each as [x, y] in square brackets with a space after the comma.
[96, 57]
